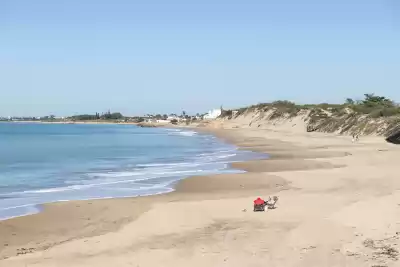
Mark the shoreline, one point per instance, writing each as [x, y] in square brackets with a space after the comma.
[323, 182]
[178, 188]
[40, 207]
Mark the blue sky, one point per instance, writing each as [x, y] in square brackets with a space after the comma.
[83, 56]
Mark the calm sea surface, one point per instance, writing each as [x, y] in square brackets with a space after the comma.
[41, 163]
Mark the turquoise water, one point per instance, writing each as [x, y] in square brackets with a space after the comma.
[41, 163]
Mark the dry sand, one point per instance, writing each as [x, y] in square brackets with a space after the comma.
[339, 206]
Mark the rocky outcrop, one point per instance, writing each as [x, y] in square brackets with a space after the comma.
[394, 136]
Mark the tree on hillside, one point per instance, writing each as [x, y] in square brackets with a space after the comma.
[112, 116]
[349, 101]
[84, 117]
[371, 100]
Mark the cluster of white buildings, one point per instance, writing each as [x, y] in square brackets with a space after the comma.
[10, 118]
[210, 115]
[213, 114]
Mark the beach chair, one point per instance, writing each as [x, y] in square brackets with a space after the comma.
[271, 202]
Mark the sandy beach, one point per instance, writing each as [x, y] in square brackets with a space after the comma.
[339, 205]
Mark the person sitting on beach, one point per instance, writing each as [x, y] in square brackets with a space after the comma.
[355, 138]
[260, 201]
[259, 204]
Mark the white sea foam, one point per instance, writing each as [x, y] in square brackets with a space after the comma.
[110, 181]
[146, 172]
[183, 133]
[16, 207]
[178, 164]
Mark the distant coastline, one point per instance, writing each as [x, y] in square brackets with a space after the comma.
[72, 122]
[192, 124]
[139, 124]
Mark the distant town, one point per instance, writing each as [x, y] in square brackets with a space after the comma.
[117, 117]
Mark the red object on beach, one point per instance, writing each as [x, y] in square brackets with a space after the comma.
[259, 201]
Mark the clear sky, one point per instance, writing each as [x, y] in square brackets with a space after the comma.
[83, 56]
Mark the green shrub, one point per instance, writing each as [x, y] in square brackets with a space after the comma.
[384, 112]
[283, 103]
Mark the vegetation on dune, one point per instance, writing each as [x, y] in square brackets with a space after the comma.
[376, 106]
[372, 106]
[372, 114]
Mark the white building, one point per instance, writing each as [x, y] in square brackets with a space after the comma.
[213, 114]
[170, 118]
[163, 121]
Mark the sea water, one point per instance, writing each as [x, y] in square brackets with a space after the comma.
[42, 163]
